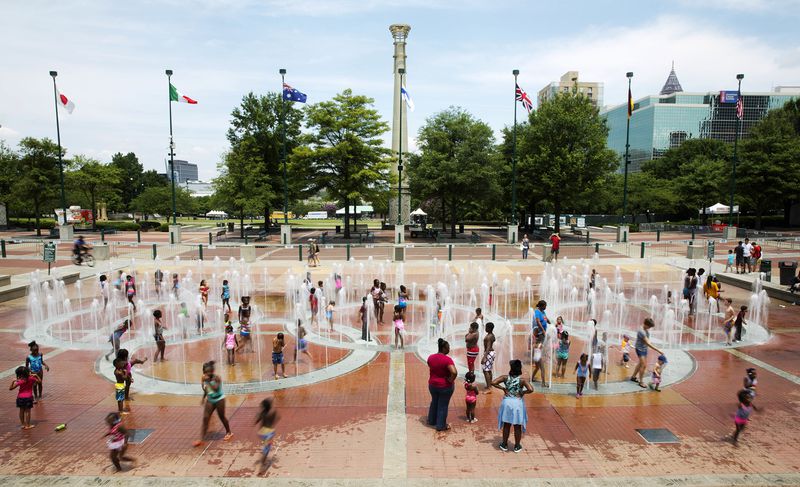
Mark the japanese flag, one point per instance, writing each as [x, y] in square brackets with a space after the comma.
[65, 103]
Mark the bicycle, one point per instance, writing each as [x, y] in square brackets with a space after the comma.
[86, 258]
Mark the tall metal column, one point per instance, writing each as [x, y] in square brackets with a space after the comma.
[627, 151]
[736, 148]
[58, 136]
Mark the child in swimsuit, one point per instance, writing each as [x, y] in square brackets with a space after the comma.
[37, 366]
[119, 385]
[562, 354]
[267, 419]
[399, 326]
[25, 381]
[204, 292]
[581, 373]
[226, 295]
[278, 344]
[329, 309]
[117, 441]
[742, 416]
[750, 384]
[658, 371]
[472, 396]
[230, 343]
[302, 343]
[626, 350]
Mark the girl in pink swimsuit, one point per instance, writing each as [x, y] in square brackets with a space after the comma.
[230, 344]
[472, 396]
[399, 326]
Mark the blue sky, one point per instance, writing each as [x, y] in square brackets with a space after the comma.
[111, 58]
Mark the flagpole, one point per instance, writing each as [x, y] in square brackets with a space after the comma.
[514, 156]
[736, 146]
[171, 150]
[283, 150]
[629, 74]
[58, 136]
[402, 72]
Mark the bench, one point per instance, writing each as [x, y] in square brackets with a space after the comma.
[221, 232]
[474, 237]
[262, 235]
[366, 237]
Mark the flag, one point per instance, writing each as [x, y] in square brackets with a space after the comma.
[292, 94]
[65, 103]
[739, 107]
[175, 95]
[407, 98]
[522, 97]
[630, 103]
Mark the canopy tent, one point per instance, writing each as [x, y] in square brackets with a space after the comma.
[418, 212]
[718, 209]
[216, 214]
[356, 210]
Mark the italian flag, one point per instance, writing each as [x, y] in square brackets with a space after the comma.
[175, 95]
[65, 103]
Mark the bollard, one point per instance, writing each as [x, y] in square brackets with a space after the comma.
[450, 252]
[155, 252]
[200, 249]
[494, 250]
[348, 252]
[642, 256]
[692, 232]
[587, 237]
[625, 237]
[3, 248]
[658, 235]
[597, 248]
[138, 236]
[210, 242]
[245, 239]
[300, 252]
[171, 238]
[102, 234]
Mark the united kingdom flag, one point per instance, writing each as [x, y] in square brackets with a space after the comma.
[739, 107]
[522, 97]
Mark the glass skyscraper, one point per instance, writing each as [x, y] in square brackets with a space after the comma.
[660, 122]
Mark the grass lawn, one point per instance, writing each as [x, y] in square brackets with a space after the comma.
[298, 222]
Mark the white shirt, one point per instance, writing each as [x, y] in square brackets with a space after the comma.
[597, 360]
[748, 249]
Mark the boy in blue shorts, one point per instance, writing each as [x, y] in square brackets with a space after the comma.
[278, 344]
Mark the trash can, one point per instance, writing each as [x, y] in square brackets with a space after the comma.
[338, 229]
[788, 270]
[766, 269]
[460, 228]
[230, 226]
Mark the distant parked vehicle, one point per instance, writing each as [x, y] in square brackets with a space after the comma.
[317, 215]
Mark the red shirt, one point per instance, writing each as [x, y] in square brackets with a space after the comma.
[555, 240]
[440, 374]
[26, 387]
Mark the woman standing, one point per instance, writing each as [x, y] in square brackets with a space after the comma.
[440, 384]
[642, 344]
[512, 409]
[526, 245]
[213, 400]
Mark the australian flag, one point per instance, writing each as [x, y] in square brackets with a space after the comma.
[292, 94]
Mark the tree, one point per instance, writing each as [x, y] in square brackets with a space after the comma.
[38, 178]
[237, 189]
[158, 199]
[563, 149]
[9, 169]
[345, 154]
[130, 177]
[455, 164]
[256, 136]
[151, 178]
[95, 180]
[529, 193]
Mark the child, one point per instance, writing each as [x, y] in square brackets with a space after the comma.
[204, 292]
[729, 262]
[120, 377]
[599, 359]
[278, 344]
[669, 297]
[472, 396]
[581, 373]
[158, 334]
[200, 319]
[329, 309]
[244, 310]
[123, 355]
[26, 382]
[562, 354]
[399, 326]
[213, 400]
[338, 280]
[104, 291]
[362, 314]
[538, 363]
[626, 350]
[313, 302]
[302, 343]
[130, 292]
[184, 311]
[478, 317]
[402, 300]
[117, 441]
[159, 281]
[739, 324]
[750, 384]
[230, 343]
[176, 285]
[658, 370]
[267, 418]
[115, 338]
[742, 416]
[35, 363]
[226, 295]
[382, 301]
[487, 361]
[730, 317]
[559, 327]
[119, 281]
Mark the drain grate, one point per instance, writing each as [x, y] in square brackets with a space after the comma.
[138, 436]
[658, 435]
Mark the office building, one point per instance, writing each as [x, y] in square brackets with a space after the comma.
[184, 170]
[568, 82]
[661, 122]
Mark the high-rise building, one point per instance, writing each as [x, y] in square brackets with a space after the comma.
[184, 171]
[661, 122]
[569, 81]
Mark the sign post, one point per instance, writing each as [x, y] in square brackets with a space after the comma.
[49, 255]
[710, 255]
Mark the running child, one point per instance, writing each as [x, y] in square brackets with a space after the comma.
[124, 356]
[115, 338]
[226, 295]
[278, 344]
[35, 363]
[25, 381]
[751, 383]
[562, 354]
[658, 371]
[472, 396]
[581, 373]
[302, 343]
[117, 441]
[204, 292]
[399, 327]
[213, 400]
[230, 344]
[329, 309]
[742, 416]
[267, 418]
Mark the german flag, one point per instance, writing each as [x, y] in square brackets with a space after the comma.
[630, 103]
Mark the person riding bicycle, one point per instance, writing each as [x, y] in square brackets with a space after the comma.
[80, 249]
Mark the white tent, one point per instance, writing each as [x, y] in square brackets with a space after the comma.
[718, 209]
[418, 212]
[216, 214]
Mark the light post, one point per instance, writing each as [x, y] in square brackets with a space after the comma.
[739, 100]
[282, 72]
[629, 74]
[58, 136]
[402, 73]
[514, 156]
[171, 152]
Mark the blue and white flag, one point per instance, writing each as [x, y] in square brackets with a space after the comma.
[292, 94]
[407, 98]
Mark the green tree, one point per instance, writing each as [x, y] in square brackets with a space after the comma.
[158, 199]
[345, 154]
[94, 180]
[563, 150]
[237, 188]
[256, 136]
[151, 178]
[130, 177]
[38, 179]
[529, 193]
[455, 164]
[9, 169]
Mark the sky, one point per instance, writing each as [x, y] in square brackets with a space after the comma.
[111, 57]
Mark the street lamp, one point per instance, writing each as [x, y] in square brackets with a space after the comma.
[402, 73]
[515, 72]
[629, 75]
[53, 74]
[739, 100]
[282, 72]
